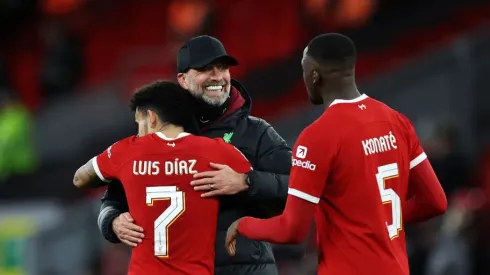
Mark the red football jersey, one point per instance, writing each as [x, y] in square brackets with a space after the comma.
[179, 225]
[354, 161]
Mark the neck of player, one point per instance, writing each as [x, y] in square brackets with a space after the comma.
[170, 130]
[345, 89]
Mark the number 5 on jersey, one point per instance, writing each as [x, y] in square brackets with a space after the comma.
[163, 222]
[389, 195]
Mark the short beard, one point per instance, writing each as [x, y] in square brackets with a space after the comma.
[213, 101]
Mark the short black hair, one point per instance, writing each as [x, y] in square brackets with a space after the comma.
[172, 103]
[331, 48]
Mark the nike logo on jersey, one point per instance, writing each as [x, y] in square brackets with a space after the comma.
[171, 144]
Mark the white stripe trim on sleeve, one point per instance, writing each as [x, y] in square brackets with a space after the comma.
[303, 195]
[416, 161]
[97, 170]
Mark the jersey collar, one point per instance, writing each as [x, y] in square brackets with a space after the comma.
[164, 137]
[357, 99]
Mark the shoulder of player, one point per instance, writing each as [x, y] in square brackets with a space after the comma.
[223, 146]
[216, 149]
[402, 118]
[203, 140]
[320, 130]
[122, 143]
[329, 122]
[120, 150]
[219, 142]
[399, 116]
[330, 128]
[209, 143]
[336, 112]
[127, 146]
[400, 122]
[404, 123]
[407, 127]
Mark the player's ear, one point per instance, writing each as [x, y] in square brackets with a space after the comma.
[315, 77]
[181, 79]
[152, 118]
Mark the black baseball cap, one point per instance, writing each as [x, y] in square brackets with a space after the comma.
[201, 51]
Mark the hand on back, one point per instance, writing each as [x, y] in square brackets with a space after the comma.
[126, 230]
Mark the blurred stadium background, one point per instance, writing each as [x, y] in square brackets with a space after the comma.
[67, 68]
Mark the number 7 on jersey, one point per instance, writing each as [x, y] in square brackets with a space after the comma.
[389, 195]
[163, 222]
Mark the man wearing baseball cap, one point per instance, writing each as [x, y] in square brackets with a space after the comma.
[223, 110]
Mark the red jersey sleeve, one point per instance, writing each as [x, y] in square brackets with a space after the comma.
[426, 196]
[106, 164]
[235, 158]
[417, 154]
[313, 155]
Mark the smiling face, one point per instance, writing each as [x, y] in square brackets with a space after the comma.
[212, 83]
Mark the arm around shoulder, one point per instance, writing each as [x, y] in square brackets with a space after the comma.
[114, 203]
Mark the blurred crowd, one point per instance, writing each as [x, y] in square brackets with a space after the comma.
[58, 51]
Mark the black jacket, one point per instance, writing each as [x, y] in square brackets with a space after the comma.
[271, 159]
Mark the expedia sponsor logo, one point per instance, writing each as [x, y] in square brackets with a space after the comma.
[301, 151]
[306, 164]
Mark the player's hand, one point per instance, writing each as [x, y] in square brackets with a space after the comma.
[231, 235]
[126, 231]
[222, 181]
